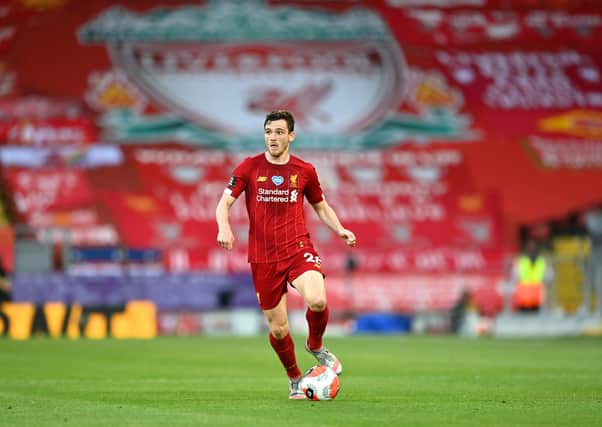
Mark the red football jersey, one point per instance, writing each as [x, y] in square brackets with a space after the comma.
[274, 196]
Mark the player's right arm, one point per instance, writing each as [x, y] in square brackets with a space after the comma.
[225, 237]
[236, 185]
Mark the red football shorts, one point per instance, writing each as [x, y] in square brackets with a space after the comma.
[271, 279]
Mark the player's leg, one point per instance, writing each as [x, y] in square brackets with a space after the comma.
[270, 284]
[280, 337]
[310, 285]
[284, 346]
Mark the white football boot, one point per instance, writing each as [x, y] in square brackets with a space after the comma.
[295, 391]
[326, 358]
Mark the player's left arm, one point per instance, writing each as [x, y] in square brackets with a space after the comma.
[328, 216]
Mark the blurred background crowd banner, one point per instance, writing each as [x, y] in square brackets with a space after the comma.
[447, 134]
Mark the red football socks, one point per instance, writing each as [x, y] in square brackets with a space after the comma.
[316, 320]
[285, 349]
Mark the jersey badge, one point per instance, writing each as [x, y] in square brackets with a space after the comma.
[293, 180]
[277, 179]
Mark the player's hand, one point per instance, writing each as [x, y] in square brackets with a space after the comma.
[347, 236]
[225, 239]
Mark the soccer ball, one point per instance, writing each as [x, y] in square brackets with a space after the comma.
[320, 383]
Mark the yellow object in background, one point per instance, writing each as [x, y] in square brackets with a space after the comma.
[55, 315]
[73, 325]
[143, 319]
[21, 318]
[138, 321]
[120, 326]
[96, 327]
[41, 5]
[582, 123]
[571, 254]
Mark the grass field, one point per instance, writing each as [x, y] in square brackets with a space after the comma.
[390, 381]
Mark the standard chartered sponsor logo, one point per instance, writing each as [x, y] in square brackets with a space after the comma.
[273, 196]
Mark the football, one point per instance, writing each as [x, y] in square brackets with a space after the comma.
[320, 383]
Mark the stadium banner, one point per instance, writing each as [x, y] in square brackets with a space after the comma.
[40, 107]
[134, 320]
[63, 156]
[429, 132]
[241, 322]
[84, 225]
[8, 79]
[37, 190]
[508, 6]
[7, 36]
[335, 261]
[389, 198]
[420, 77]
[169, 292]
[464, 26]
[45, 132]
[409, 293]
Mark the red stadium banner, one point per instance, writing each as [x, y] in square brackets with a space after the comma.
[493, 26]
[38, 107]
[506, 5]
[85, 225]
[7, 35]
[446, 125]
[48, 132]
[178, 167]
[139, 218]
[37, 190]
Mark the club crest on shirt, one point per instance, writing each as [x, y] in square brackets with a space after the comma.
[277, 179]
[293, 180]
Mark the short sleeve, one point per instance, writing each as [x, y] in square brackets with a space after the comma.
[313, 189]
[238, 180]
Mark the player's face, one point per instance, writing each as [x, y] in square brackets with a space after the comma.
[278, 138]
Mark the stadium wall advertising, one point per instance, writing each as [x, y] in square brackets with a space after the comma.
[136, 319]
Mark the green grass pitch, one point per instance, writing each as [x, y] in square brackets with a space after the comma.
[388, 381]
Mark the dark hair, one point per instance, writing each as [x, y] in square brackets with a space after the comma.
[279, 115]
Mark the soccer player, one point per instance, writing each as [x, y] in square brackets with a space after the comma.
[280, 250]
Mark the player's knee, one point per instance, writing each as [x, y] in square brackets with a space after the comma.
[317, 304]
[279, 331]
